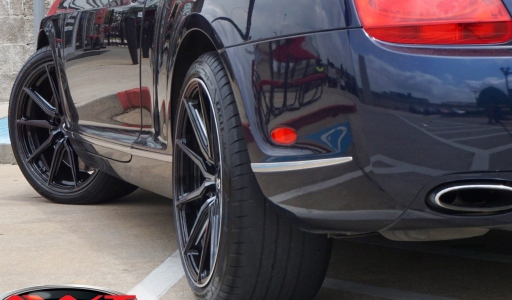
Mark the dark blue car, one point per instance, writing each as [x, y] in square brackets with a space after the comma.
[275, 126]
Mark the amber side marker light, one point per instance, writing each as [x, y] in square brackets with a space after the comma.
[436, 22]
[283, 135]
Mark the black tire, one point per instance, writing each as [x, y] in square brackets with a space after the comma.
[254, 254]
[41, 142]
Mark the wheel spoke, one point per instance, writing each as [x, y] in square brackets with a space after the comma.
[58, 156]
[41, 139]
[206, 239]
[41, 148]
[198, 229]
[73, 162]
[54, 88]
[209, 120]
[196, 159]
[213, 134]
[199, 128]
[41, 102]
[37, 123]
[206, 121]
[195, 194]
[214, 230]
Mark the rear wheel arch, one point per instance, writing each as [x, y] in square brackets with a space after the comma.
[254, 250]
[193, 44]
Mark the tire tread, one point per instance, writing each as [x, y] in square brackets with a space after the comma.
[253, 221]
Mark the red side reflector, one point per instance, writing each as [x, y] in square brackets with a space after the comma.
[283, 135]
[436, 21]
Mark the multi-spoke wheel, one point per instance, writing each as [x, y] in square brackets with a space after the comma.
[198, 201]
[233, 245]
[41, 141]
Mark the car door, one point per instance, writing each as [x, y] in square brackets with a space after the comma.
[100, 53]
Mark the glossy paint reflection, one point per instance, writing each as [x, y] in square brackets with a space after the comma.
[432, 114]
[289, 76]
[155, 126]
[308, 83]
[101, 56]
[240, 21]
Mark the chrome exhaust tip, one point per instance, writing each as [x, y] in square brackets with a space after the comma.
[476, 198]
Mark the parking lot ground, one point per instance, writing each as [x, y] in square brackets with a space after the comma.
[129, 246]
[6, 156]
[111, 245]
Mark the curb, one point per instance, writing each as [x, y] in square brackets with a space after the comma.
[6, 155]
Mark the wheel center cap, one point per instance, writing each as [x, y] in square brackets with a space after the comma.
[62, 128]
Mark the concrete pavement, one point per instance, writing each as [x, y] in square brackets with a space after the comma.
[6, 156]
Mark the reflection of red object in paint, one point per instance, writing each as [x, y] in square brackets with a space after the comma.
[292, 51]
[100, 16]
[133, 98]
[54, 9]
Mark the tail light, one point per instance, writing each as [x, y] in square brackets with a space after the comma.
[436, 22]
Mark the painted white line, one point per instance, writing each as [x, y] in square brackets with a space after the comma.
[374, 291]
[437, 122]
[439, 250]
[481, 158]
[500, 148]
[466, 130]
[158, 282]
[397, 167]
[452, 127]
[442, 140]
[479, 137]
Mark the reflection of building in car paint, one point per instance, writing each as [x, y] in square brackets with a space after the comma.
[290, 75]
[293, 79]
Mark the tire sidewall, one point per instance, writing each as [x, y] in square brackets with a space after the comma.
[42, 56]
[201, 70]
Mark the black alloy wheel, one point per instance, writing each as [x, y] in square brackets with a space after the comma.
[198, 204]
[41, 133]
[41, 140]
[233, 244]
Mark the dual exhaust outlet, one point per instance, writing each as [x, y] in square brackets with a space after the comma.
[472, 198]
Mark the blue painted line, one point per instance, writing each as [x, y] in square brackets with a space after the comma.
[4, 132]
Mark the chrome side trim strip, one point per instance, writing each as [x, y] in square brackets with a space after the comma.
[125, 149]
[274, 167]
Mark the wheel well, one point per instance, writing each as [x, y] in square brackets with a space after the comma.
[42, 40]
[193, 45]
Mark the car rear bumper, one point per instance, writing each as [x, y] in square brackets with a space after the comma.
[383, 126]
